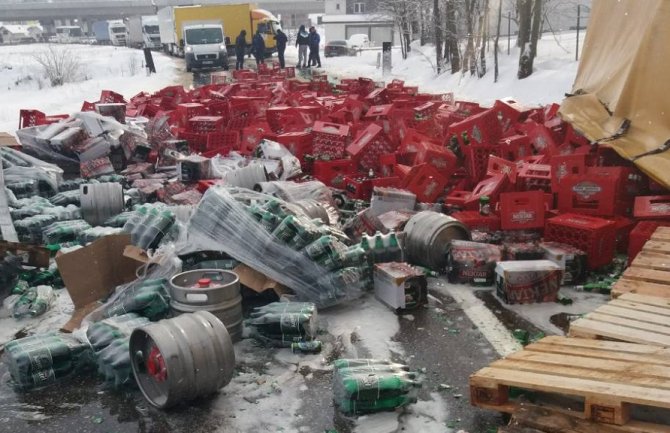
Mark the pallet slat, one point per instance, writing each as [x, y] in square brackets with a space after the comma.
[587, 328]
[611, 377]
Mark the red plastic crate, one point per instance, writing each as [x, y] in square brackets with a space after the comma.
[522, 210]
[601, 191]
[491, 188]
[532, 177]
[358, 187]
[28, 118]
[228, 139]
[205, 124]
[109, 97]
[298, 143]
[457, 198]
[378, 112]
[477, 160]
[640, 234]
[330, 140]
[426, 182]
[540, 137]
[564, 165]
[188, 110]
[476, 221]
[427, 150]
[595, 236]
[509, 112]
[366, 149]
[332, 173]
[652, 207]
[377, 97]
[197, 142]
[623, 228]
[498, 165]
[479, 129]
[515, 147]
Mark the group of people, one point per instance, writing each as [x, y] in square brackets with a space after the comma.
[306, 41]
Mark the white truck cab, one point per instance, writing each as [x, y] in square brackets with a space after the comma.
[204, 46]
[118, 33]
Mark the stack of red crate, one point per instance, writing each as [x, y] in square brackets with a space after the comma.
[595, 236]
[330, 140]
[368, 146]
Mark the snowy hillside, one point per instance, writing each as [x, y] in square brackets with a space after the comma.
[22, 83]
[555, 69]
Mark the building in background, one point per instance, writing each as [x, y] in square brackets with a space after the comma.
[345, 18]
[20, 33]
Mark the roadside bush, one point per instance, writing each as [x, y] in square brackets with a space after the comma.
[60, 65]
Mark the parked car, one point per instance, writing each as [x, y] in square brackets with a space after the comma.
[339, 48]
[359, 40]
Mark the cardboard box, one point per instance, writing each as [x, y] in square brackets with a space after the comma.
[7, 139]
[528, 281]
[31, 255]
[257, 281]
[396, 283]
[90, 274]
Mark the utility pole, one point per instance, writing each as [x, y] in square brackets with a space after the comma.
[579, 10]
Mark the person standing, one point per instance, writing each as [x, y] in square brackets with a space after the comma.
[258, 47]
[314, 42]
[302, 42]
[240, 49]
[281, 39]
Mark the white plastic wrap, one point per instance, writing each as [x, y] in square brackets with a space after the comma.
[273, 243]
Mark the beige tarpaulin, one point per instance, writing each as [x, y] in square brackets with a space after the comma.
[625, 67]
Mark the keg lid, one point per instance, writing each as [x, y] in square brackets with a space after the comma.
[204, 282]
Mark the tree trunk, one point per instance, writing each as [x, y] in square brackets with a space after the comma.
[535, 29]
[495, 46]
[438, 35]
[485, 35]
[524, 8]
[423, 27]
[403, 50]
[469, 55]
[452, 37]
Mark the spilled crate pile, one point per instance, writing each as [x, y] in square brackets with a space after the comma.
[320, 192]
[612, 374]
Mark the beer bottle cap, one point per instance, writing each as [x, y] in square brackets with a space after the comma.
[204, 282]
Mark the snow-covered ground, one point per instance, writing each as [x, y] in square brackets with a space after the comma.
[23, 85]
[555, 70]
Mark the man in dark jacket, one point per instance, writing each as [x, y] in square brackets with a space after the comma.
[258, 47]
[302, 43]
[314, 41]
[240, 49]
[281, 39]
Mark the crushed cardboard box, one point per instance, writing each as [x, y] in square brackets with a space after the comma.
[257, 281]
[91, 273]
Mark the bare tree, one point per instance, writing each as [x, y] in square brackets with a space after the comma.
[495, 48]
[483, 26]
[531, 25]
[60, 64]
[438, 35]
[403, 12]
[451, 52]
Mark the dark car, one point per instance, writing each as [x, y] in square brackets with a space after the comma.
[339, 48]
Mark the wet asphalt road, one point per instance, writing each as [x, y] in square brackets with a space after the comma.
[438, 338]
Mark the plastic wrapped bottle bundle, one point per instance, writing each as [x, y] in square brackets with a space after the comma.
[41, 360]
[30, 229]
[280, 324]
[32, 302]
[148, 298]
[148, 226]
[64, 231]
[368, 385]
[66, 197]
[262, 232]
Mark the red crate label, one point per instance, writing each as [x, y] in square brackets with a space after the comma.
[586, 190]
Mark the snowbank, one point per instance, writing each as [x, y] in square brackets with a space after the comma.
[555, 70]
[22, 84]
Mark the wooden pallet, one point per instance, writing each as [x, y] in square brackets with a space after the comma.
[610, 377]
[534, 419]
[630, 317]
[649, 273]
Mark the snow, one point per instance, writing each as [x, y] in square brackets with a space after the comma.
[554, 74]
[356, 18]
[22, 84]
[371, 322]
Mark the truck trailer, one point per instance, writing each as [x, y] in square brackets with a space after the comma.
[143, 32]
